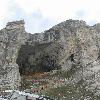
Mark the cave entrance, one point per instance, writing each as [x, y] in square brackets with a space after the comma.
[31, 59]
[72, 57]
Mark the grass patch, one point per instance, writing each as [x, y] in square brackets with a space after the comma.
[72, 92]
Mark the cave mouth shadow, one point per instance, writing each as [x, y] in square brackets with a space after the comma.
[42, 63]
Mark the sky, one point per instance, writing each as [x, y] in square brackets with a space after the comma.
[40, 15]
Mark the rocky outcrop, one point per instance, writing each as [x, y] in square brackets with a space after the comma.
[71, 45]
[11, 38]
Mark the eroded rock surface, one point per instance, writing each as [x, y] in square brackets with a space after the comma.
[70, 45]
[11, 38]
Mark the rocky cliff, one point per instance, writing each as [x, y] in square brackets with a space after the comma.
[11, 38]
[71, 46]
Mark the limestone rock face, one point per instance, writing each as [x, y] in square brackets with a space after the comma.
[11, 38]
[70, 45]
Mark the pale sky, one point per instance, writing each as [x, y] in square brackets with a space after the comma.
[40, 15]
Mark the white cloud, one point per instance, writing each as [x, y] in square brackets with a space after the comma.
[60, 10]
[5, 14]
[3, 8]
[50, 10]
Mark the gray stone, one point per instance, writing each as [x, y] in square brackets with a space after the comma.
[69, 45]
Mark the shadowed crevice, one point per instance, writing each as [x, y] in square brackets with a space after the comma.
[34, 59]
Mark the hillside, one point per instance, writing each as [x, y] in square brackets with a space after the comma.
[71, 47]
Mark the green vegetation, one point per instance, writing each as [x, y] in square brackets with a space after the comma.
[75, 91]
[25, 84]
[72, 92]
[65, 74]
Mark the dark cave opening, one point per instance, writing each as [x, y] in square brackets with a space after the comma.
[72, 57]
[31, 59]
